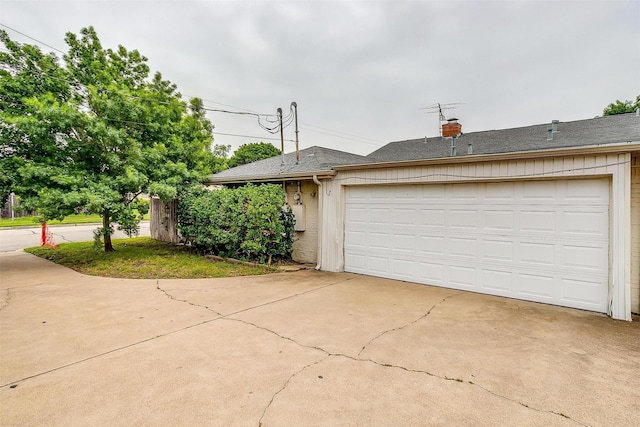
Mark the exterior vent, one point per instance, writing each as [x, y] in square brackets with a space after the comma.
[451, 128]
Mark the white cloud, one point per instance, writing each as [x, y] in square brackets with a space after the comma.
[366, 67]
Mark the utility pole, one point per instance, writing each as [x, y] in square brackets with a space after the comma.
[295, 115]
[281, 134]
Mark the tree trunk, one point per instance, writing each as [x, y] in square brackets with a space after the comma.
[108, 247]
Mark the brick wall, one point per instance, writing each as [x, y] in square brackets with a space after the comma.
[305, 248]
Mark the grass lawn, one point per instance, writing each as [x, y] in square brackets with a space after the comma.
[32, 221]
[142, 258]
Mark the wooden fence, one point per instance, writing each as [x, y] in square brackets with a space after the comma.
[164, 220]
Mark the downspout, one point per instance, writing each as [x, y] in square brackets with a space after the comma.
[320, 221]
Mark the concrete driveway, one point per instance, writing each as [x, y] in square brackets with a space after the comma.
[301, 349]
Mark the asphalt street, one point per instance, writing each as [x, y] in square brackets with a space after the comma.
[12, 239]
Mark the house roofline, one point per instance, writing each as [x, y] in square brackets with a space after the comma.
[624, 147]
[271, 178]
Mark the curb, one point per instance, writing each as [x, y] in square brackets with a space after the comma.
[26, 227]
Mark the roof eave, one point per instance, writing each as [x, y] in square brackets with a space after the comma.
[556, 152]
[273, 178]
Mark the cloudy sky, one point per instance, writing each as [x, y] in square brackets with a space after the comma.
[361, 71]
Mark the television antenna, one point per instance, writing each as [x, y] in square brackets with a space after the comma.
[439, 109]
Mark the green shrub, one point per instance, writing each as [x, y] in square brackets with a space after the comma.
[251, 222]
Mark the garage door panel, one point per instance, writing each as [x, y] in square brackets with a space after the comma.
[499, 282]
[463, 218]
[583, 257]
[462, 276]
[404, 216]
[582, 191]
[582, 292]
[380, 216]
[541, 241]
[585, 223]
[432, 245]
[501, 192]
[378, 264]
[432, 218]
[357, 215]
[404, 242]
[379, 240]
[498, 250]
[535, 285]
[502, 220]
[403, 268]
[356, 263]
[462, 247]
[537, 221]
[432, 193]
[466, 192]
[542, 193]
[538, 253]
[356, 238]
[431, 272]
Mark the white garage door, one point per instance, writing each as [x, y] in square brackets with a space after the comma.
[544, 241]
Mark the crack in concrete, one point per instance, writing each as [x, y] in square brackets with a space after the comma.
[252, 307]
[389, 365]
[185, 301]
[527, 406]
[63, 237]
[286, 384]
[5, 302]
[95, 356]
[328, 354]
[408, 324]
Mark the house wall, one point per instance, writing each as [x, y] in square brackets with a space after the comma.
[615, 166]
[305, 249]
[635, 233]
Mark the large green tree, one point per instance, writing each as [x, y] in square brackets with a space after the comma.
[248, 153]
[93, 132]
[620, 107]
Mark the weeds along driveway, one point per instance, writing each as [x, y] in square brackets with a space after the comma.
[304, 348]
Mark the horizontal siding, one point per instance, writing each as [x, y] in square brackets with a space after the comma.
[514, 169]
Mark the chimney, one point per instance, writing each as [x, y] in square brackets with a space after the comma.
[549, 134]
[451, 128]
[554, 125]
[470, 149]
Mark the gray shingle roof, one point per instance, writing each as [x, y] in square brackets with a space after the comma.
[313, 161]
[581, 133]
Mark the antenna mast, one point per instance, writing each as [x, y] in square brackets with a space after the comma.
[439, 108]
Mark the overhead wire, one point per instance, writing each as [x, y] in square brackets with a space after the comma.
[269, 118]
[29, 37]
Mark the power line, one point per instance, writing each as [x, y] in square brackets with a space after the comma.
[345, 137]
[343, 133]
[271, 118]
[29, 37]
[250, 136]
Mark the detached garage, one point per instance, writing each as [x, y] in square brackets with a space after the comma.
[545, 241]
[545, 213]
